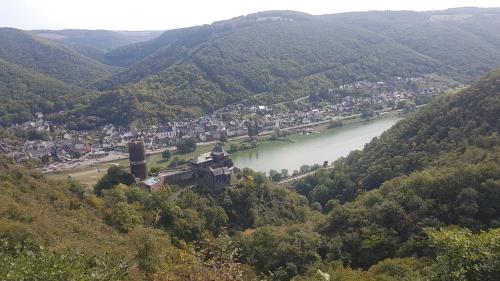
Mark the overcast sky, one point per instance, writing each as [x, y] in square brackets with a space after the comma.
[167, 14]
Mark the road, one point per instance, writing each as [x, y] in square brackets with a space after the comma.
[291, 179]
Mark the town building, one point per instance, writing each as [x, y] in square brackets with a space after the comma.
[166, 131]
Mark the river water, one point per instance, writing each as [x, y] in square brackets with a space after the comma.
[311, 149]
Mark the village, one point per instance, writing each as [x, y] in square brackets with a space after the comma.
[57, 148]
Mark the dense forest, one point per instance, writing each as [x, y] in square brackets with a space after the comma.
[50, 58]
[274, 57]
[102, 40]
[262, 58]
[24, 92]
[422, 202]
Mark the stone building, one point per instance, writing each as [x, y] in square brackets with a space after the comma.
[213, 168]
[209, 170]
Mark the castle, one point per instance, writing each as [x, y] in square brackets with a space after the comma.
[211, 170]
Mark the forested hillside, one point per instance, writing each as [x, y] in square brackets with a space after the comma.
[103, 40]
[459, 127]
[261, 58]
[464, 41]
[53, 231]
[277, 60]
[438, 168]
[24, 92]
[432, 213]
[50, 58]
[276, 56]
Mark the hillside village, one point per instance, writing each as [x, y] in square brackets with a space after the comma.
[51, 143]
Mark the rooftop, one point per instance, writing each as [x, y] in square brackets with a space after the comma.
[151, 181]
[221, 171]
[219, 150]
[202, 158]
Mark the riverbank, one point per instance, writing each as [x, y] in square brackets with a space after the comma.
[312, 149]
[89, 171]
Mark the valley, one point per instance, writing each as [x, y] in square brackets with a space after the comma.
[272, 146]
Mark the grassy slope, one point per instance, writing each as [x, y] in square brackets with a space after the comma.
[50, 213]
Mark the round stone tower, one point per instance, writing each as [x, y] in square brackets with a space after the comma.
[137, 156]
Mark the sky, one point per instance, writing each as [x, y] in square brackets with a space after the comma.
[168, 14]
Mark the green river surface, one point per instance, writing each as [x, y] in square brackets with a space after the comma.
[311, 149]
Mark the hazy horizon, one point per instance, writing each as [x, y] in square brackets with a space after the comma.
[163, 15]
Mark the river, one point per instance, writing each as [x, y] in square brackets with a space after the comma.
[311, 149]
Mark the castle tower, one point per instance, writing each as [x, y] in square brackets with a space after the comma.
[137, 156]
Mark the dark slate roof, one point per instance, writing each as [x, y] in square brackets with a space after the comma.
[221, 171]
[202, 158]
[218, 150]
[165, 129]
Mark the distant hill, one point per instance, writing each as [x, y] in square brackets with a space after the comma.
[50, 58]
[262, 58]
[128, 55]
[464, 41]
[278, 55]
[103, 40]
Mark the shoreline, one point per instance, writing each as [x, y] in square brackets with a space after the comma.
[89, 171]
[116, 156]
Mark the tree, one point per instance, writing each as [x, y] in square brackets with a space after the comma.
[155, 170]
[335, 124]
[284, 173]
[305, 169]
[367, 113]
[401, 104]
[215, 219]
[276, 133]
[123, 217]
[462, 255]
[189, 226]
[223, 136]
[274, 175]
[325, 164]
[252, 128]
[259, 178]
[166, 154]
[113, 176]
[176, 161]
[45, 159]
[150, 249]
[221, 255]
[283, 251]
[233, 147]
[186, 145]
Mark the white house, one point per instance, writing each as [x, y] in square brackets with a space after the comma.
[166, 131]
